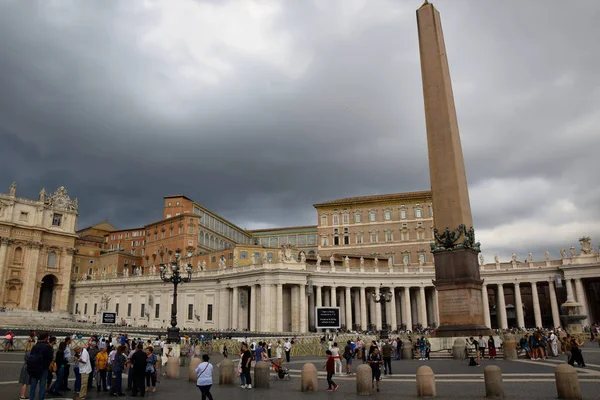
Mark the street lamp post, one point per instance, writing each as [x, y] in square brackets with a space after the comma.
[382, 298]
[175, 278]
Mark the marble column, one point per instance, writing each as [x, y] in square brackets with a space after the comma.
[279, 324]
[28, 294]
[554, 304]
[333, 296]
[393, 320]
[407, 309]
[581, 299]
[501, 308]
[569, 289]
[357, 316]
[348, 304]
[342, 306]
[253, 305]
[302, 297]
[235, 308]
[363, 309]
[311, 310]
[319, 296]
[436, 308]
[378, 317]
[519, 306]
[265, 302]
[423, 307]
[4, 242]
[295, 308]
[537, 314]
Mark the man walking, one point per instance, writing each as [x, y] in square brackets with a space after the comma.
[85, 369]
[40, 357]
[67, 366]
[386, 351]
[138, 362]
[288, 349]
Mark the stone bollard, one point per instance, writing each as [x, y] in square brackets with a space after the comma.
[308, 378]
[262, 374]
[494, 387]
[458, 349]
[173, 368]
[197, 350]
[364, 380]
[226, 372]
[425, 382]
[194, 362]
[407, 351]
[567, 382]
[509, 347]
[182, 361]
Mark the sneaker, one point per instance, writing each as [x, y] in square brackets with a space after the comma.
[329, 390]
[249, 387]
[243, 386]
[335, 388]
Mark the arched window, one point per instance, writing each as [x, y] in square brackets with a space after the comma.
[18, 256]
[52, 259]
[12, 294]
[212, 242]
[221, 244]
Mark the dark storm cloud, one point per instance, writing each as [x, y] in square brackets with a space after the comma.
[123, 106]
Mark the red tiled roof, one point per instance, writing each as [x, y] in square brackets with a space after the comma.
[375, 198]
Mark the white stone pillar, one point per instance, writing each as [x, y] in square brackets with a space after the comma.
[311, 310]
[501, 308]
[30, 286]
[486, 306]
[436, 308]
[357, 316]
[378, 317]
[348, 304]
[295, 308]
[363, 309]
[333, 296]
[319, 296]
[253, 305]
[519, 306]
[423, 307]
[537, 314]
[569, 289]
[235, 308]
[581, 299]
[554, 304]
[393, 320]
[265, 306]
[3, 265]
[302, 298]
[279, 320]
[342, 306]
[407, 309]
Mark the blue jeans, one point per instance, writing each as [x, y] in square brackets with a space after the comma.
[77, 386]
[34, 382]
[117, 384]
[422, 352]
[59, 378]
[243, 378]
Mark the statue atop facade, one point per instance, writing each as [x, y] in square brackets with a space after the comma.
[362, 262]
[563, 253]
[318, 260]
[586, 246]
[265, 257]
[203, 265]
[514, 257]
[332, 261]
[405, 260]
[346, 262]
[13, 189]
[235, 260]
[302, 257]
[481, 259]
[376, 262]
[280, 256]
[530, 257]
[42, 195]
[253, 259]
[496, 259]
[222, 264]
[547, 255]
[199, 266]
[153, 270]
[125, 271]
[573, 252]
[390, 263]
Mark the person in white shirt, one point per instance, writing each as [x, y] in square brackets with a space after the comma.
[204, 371]
[287, 346]
[85, 369]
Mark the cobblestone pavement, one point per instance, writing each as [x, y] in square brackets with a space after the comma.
[523, 379]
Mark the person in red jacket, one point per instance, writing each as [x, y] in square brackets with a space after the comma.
[330, 367]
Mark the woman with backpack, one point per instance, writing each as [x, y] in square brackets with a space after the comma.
[204, 371]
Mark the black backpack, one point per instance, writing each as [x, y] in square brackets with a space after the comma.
[35, 367]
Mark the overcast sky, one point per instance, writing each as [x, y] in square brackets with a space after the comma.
[258, 110]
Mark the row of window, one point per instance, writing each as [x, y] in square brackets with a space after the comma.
[300, 240]
[359, 237]
[222, 228]
[56, 218]
[18, 257]
[207, 240]
[190, 310]
[372, 216]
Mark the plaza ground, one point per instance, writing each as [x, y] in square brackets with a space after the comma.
[523, 379]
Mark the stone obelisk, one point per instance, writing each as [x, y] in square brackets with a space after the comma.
[454, 248]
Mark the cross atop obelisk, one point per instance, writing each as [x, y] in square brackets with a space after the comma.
[455, 250]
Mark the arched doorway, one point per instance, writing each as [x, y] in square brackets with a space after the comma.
[46, 293]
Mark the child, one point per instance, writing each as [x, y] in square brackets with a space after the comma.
[330, 367]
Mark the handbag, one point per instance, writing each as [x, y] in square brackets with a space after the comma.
[52, 366]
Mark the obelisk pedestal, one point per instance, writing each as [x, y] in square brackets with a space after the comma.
[455, 250]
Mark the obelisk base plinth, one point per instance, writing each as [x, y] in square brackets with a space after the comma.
[460, 299]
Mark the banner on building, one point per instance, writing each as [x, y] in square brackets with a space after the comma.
[327, 317]
[109, 317]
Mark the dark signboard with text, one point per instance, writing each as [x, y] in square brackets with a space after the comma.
[327, 317]
[109, 318]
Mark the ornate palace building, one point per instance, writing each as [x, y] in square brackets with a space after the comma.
[37, 243]
[271, 279]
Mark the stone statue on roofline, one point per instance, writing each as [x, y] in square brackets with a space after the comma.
[547, 255]
[481, 259]
[362, 262]
[514, 257]
[319, 260]
[563, 253]
[496, 259]
[573, 251]
[390, 263]
[302, 257]
[332, 261]
[376, 262]
[13, 189]
[530, 257]
[346, 262]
